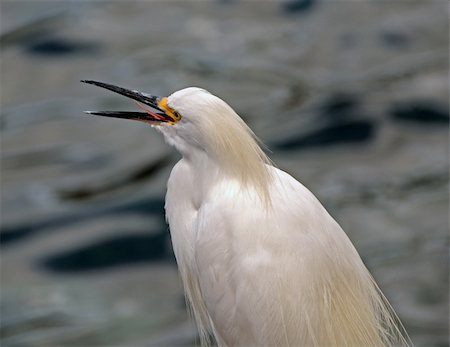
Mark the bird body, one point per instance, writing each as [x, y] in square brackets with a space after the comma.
[261, 260]
[258, 277]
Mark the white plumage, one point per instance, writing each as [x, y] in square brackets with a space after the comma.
[261, 260]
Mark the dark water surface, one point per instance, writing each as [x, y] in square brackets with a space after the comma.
[351, 98]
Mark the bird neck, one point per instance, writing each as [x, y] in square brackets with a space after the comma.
[200, 175]
[209, 167]
[204, 167]
[221, 142]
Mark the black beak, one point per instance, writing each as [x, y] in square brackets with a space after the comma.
[148, 117]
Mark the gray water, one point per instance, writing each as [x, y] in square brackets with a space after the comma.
[350, 97]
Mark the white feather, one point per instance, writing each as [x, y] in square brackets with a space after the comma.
[261, 260]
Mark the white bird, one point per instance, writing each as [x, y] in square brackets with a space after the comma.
[261, 260]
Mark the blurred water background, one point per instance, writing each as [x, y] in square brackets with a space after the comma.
[350, 97]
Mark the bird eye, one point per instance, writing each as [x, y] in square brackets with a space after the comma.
[163, 104]
[176, 115]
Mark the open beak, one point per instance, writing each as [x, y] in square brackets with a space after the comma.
[149, 116]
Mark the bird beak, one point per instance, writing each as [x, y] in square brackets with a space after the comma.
[149, 116]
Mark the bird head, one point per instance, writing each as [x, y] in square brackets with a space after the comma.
[196, 121]
[177, 116]
[189, 118]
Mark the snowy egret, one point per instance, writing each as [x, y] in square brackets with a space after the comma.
[261, 260]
